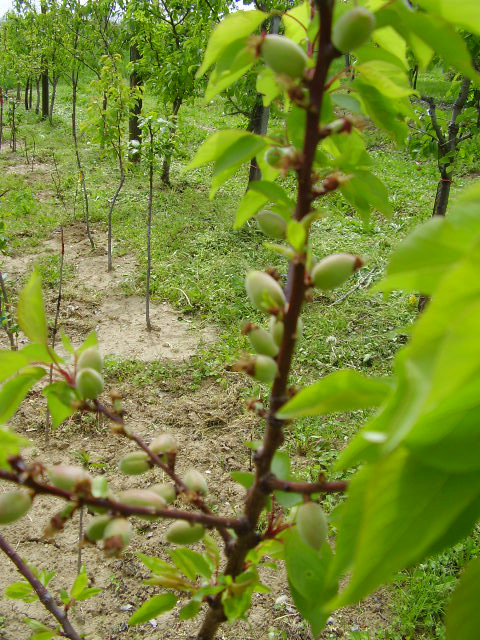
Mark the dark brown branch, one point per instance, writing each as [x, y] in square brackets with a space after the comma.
[306, 488]
[43, 594]
[433, 119]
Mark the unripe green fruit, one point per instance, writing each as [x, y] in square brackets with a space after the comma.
[333, 271]
[272, 224]
[164, 443]
[312, 524]
[195, 481]
[262, 341]
[264, 292]
[14, 505]
[135, 463]
[353, 29]
[117, 535]
[96, 528]
[67, 477]
[284, 56]
[165, 491]
[265, 369]
[276, 329]
[89, 383]
[142, 498]
[274, 156]
[90, 359]
[182, 532]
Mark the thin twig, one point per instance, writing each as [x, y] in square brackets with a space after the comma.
[359, 284]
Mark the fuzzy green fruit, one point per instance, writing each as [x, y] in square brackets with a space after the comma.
[274, 156]
[333, 271]
[96, 528]
[142, 498]
[262, 341]
[312, 524]
[165, 491]
[68, 477]
[353, 29]
[89, 383]
[276, 329]
[117, 535]
[164, 443]
[272, 224]
[182, 532]
[135, 463]
[284, 56]
[90, 359]
[264, 292]
[14, 505]
[195, 481]
[265, 369]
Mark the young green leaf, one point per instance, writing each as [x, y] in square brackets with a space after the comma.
[463, 613]
[31, 312]
[14, 391]
[153, 608]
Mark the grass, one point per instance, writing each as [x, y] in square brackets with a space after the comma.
[199, 266]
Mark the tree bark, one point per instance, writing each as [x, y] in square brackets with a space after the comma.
[27, 86]
[134, 130]
[168, 155]
[44, 76]
[149, 230]
[37, 105]
[52, 99]
[112, 205]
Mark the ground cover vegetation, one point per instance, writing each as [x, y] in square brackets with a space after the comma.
[339, 446]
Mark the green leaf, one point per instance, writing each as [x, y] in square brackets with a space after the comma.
[268, 86]
[339, 391]
[346, 101]
[190, 563]
[86, 594]
[383, 112]
[99, 487]
[296, 235]
[235, 26]
[233, 64]
[392, 42]
[190, 610]
[11, 362]
[153, 608]
[31, 312]
[239, 152]
[250, 204]
[59, 399]
[21, 591]
[79, 584]
[10, 445]
[90, 341]
[14, 391]
[67, 345]
[281, 465]
[387, 78]
[365, 191]
[274, 192]
[156, 565]
[214, 147]
[245, 478]
[463, 613]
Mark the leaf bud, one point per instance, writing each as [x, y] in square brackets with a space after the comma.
[96, 528]
[196, 482]
[182, 532]
[265, 369]
[69, 478]
[264, 292]
[14, 505]
[272, 224]
[164, 443]
[353, 29]
[334, 270]
[262, 341]
[134, 463]
[284, 56]
[165, 491]
[312, 524]
[89, 383]
[90, 359]
[117, 535]
[142, 498]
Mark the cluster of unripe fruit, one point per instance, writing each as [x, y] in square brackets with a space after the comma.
[89, 379]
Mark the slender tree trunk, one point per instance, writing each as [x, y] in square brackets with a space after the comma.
[112, 205]
[52, 99]
[37, 86]
[134, 129]
[168, 156]
[44, 75]
[27, 86]
[77, 153]
[260, 116]
[30, 97]
[149, 230]
[19, 92]
[1, 116]
[443, 192]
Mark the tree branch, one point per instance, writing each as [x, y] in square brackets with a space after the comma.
[433, 119]
[306, 488]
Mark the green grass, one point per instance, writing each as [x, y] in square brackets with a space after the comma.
[199, 266]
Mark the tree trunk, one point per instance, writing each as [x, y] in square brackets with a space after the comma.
[134, 130]
[30, 97]
[443, 193]
[27, 86]
[44, 76]
[1, 116]
[37, 105]
[177, 103]
[260, 116]
[52, 99]
[19, 92]
[112, 205]
[149, 231]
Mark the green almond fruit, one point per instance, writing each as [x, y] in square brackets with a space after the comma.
[165, 491]
[274, 156]
[353, 29]
[164, 443]
[14, 505]
[96, 528]
[265, 369]
[312, 524]
[263, 342]
[68, 477]
[117, 535]
[182, 532]
[272, 224]
[142, 498]
[89, 383]
[90, 359]
[196, 482]
[333, 271]
[276, 329]
[135, 463]
[264, 292]
[284, 56]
